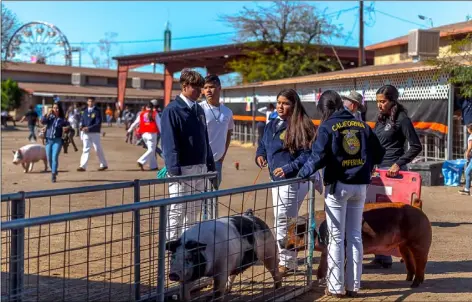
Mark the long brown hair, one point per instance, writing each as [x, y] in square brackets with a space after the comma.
[390, 92]
[300, 129]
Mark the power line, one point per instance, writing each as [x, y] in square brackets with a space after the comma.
[398, 18]
[155, 40]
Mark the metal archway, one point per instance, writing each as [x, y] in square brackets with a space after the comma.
[41, 40]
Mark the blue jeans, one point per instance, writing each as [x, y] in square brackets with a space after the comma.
[219, 169]
[383, 258]
[53, 148]
[468, 172]
[32, 135]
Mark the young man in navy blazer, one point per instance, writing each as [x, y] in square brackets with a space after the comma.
[186, 150]
[90, 126]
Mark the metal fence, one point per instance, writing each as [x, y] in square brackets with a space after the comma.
[117, 252]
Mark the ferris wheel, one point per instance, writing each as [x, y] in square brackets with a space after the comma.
[39, 42]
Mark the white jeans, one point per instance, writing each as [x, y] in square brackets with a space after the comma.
[150, 139]
[88, 140]
[183, 215]
[287, 201]
[344, 217]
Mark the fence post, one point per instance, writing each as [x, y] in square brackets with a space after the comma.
[17, 250]
[137, 243]
[311, 230]
[161, 254]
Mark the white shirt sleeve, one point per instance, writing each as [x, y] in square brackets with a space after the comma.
[231, 123]
[158, 122]
[262, 110]
[134, 124]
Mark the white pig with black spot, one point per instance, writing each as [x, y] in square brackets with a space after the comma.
[222, 249]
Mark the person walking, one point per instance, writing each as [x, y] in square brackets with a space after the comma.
[284, 147]
[109, 115]
[186, 150]
[128, 117]
[393, 128]
[150, 124]
[468, 169]
[349, 150]
[56, 123]
[90, 125]
[219, 121]
[269, 112]
[32, 117]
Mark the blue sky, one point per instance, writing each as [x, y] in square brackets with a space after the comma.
[87, 21]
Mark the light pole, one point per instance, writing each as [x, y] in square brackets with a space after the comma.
[426, 18]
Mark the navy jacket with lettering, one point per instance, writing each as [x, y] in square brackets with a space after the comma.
[184, 137]
[347, 147]
[92, 120]
[271, 147]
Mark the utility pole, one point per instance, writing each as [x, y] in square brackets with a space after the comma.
[361, 34]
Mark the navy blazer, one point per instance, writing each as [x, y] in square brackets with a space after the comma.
[271, 147]
[92, 120]
[184, 137]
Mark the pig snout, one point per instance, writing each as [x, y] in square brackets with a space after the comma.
[174, 277]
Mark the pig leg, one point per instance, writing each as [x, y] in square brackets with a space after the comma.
[31, 165]
[323, 266]
[229, 284]
[45, 165]
[270, 256]
[185, 292]
[409, 262]
[25, 168]
[421, 258]
[219, 285]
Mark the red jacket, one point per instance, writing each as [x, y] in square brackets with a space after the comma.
[145, 125]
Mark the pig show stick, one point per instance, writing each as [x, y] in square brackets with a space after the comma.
[249, 194]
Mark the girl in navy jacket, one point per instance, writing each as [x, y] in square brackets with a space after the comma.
[284, 147]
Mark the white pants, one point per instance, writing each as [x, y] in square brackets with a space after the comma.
[88, 140]
[150, 139]
[287, 201]
[344, 218]
[183, 215]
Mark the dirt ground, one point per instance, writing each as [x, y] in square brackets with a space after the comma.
[448, 273]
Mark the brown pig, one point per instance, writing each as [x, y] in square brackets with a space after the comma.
[389, 228]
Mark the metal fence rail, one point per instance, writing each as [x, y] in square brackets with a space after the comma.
[118, 252]
[48, 202]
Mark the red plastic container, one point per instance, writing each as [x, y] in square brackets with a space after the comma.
[403, 188]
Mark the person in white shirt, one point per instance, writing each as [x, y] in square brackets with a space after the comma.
[219, 120]
[150, 125]
[269, 110]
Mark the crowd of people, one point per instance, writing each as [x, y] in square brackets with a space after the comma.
[196, 136]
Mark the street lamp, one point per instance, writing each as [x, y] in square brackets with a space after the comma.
[426, 18]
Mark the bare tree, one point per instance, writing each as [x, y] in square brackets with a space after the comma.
[103, 57]
[10, 24]
[281, 40]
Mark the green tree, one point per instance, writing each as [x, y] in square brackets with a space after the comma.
[457, 62]
[281, 41]
[11, 95]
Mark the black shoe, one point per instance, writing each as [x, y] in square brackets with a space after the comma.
[102, 168]
[464, 192]
[53, 178]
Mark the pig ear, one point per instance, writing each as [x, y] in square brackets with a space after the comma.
[192, 245]
[13, 151]
[172, 245]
